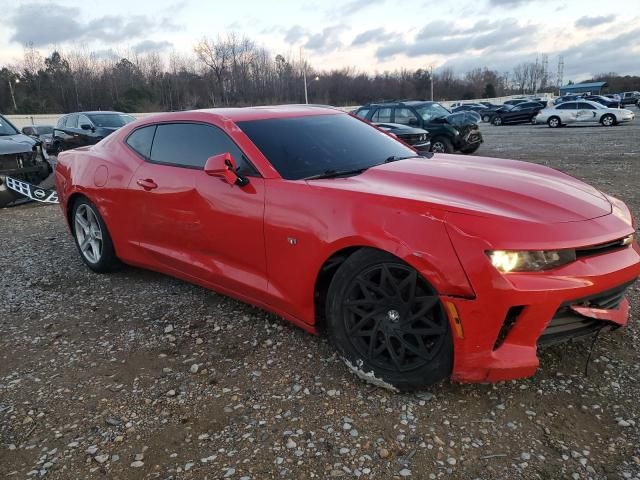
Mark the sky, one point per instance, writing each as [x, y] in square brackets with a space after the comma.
[592, 36]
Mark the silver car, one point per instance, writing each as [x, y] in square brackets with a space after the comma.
[583, 111]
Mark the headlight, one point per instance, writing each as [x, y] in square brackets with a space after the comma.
[423, 137]
[530, 261]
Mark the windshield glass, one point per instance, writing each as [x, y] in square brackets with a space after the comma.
[302, 147]
[110, 120]
[432, 110]
[44, 130]
[6, 128]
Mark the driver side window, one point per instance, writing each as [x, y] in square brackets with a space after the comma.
[406, 117]
[189, 145]
[84, 120]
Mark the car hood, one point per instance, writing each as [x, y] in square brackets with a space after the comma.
[18, 143]
[482, 186]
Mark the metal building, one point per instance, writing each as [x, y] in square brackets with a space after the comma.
[594, 88]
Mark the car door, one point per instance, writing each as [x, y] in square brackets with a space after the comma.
[194, 224]
[586, 113]
[86, 131]
[68, 135]
[568, 112]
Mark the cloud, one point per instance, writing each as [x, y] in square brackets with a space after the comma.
[355, 6]
[63, 25]
[509, 3]
[151, 46]
[375, 35]
[590, 22]
[326, 41]
[295, 34]
[446, 38]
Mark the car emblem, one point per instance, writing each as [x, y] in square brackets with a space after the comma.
[39, 193]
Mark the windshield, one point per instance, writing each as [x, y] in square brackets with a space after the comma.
[302, 147]
[45, 130]
[7, 128]
[110, 120]
[430, 111]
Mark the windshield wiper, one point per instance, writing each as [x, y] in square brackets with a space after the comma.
[336, 173]
[395, 158]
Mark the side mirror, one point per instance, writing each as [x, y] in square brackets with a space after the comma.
[224, 166]
[86, 126]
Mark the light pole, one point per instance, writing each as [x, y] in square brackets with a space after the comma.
[431, 78]
[306, 89]
[15, 107]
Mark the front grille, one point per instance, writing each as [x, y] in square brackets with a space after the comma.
[412, 139]
[567, 324]
[606, 300]
[601, 248]
[15, 161]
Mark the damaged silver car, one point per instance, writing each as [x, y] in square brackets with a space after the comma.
[21, 157]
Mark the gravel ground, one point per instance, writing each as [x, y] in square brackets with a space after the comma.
[138, 375]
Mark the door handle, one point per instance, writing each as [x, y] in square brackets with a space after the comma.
[147, 184]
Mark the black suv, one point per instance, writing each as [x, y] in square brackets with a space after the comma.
[86, 128]
[449, 132]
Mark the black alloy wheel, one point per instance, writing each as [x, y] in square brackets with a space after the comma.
[388, 322]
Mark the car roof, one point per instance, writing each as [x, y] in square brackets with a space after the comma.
[246, 113]
[399, 103]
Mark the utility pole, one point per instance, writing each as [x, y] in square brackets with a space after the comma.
[15, 107]
[304, 76]
[431, 78]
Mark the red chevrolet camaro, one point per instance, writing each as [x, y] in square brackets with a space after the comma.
[416, 268]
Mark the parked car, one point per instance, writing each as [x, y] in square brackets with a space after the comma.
[415, 137]
[510, 114]
[515, 101]
[629, 98]
[86, 128]
[449, 133]
[584, 111]
[601, 99]
[614, 96]
[417, 270]
[44, 133]
[566, 98]
[21, 157]
[470, 107]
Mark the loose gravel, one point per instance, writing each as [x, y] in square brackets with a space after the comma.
[138, 375]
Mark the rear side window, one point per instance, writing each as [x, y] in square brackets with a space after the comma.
[141, 139]
[71, 121]
[363, 112]
[382, 115]
[567, 106]
[191, 144]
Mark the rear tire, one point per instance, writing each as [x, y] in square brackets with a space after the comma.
[608, 120]
[441, 145]
[497, 121]
[387, 322]
[92, 237]
[554, 122]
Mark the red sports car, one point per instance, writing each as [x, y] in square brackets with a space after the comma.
[416, 268]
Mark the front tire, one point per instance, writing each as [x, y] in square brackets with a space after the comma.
[486, 118]
[441, 145]
[92, 237]
[608, 120]
[471, 149]
[554, 122]
[497, 121]
[387, 322]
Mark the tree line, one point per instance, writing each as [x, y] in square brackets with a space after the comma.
[235, 71]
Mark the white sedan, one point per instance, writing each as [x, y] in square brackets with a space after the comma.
[583, 111]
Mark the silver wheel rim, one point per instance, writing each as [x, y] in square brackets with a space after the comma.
[88, 233]
[553, 122]
[438, 147]
[607, 121]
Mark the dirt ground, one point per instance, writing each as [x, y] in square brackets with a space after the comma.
[138, 375]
